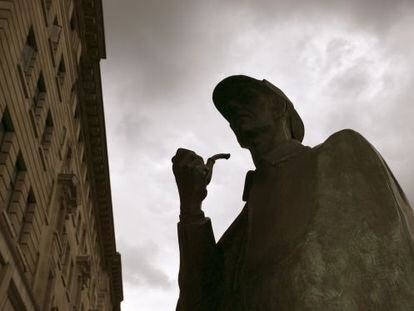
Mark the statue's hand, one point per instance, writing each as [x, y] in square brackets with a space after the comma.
[191, 176]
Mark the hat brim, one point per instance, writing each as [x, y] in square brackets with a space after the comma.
[237, 85]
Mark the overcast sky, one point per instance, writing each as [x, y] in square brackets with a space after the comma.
[344, 64]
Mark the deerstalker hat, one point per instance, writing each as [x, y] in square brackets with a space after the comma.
[233, 86]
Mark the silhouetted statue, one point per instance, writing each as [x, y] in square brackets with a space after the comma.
[323, 228]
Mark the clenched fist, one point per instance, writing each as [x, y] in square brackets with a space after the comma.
[192, 176]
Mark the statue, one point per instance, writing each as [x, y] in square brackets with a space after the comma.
[323, 228]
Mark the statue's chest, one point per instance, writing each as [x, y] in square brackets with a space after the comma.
[280, 206]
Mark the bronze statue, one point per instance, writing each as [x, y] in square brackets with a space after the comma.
[323, 228]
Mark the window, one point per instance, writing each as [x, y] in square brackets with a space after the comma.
[70, 277]
[18, 169]
[30, 234]
[55, 32]
[48, 4]
[49, 293]
[73, 24]
[38, 104]
[84, 267]
[67, 162]
[39, 96]
[13, 301]
[75, 100]
[80, 139]
[78, 227]
[5, 126]
[84, 169]
[61, 71]
[83, 242]
[29, 53]
[63, 136]
[76, 111]
[2, 132]
[60, 224]
[47, 132]
[66, 262]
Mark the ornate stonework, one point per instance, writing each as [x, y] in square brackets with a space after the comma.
[57, 241]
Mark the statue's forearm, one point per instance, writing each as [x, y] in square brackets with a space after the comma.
[197, 259]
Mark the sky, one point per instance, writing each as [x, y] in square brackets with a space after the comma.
[343, 64]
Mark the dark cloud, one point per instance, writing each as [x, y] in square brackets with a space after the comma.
[377, 16]
[161, 48]
[161, 44]
[139, 268]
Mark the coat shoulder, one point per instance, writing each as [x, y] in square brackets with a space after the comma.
[347, 141]
[346, 136]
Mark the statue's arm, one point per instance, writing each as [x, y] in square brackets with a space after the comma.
[198, 264]
[198, 251]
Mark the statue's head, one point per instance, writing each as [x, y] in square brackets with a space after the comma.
[253, 107]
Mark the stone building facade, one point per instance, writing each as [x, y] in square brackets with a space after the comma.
[57, 243]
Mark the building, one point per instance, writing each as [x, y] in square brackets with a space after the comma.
[57, 243]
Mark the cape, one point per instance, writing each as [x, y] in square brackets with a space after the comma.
[327, 228]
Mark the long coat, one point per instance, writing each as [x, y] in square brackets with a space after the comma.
[323, 228]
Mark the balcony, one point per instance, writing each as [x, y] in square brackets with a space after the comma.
[68, 192]
[85, 269]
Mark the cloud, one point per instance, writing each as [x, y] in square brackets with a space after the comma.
[139, 268]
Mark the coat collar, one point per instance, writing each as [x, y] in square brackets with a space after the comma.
[286, 151]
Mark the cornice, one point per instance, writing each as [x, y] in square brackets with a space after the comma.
[117, 277]
[91, 31]
[92, 28]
